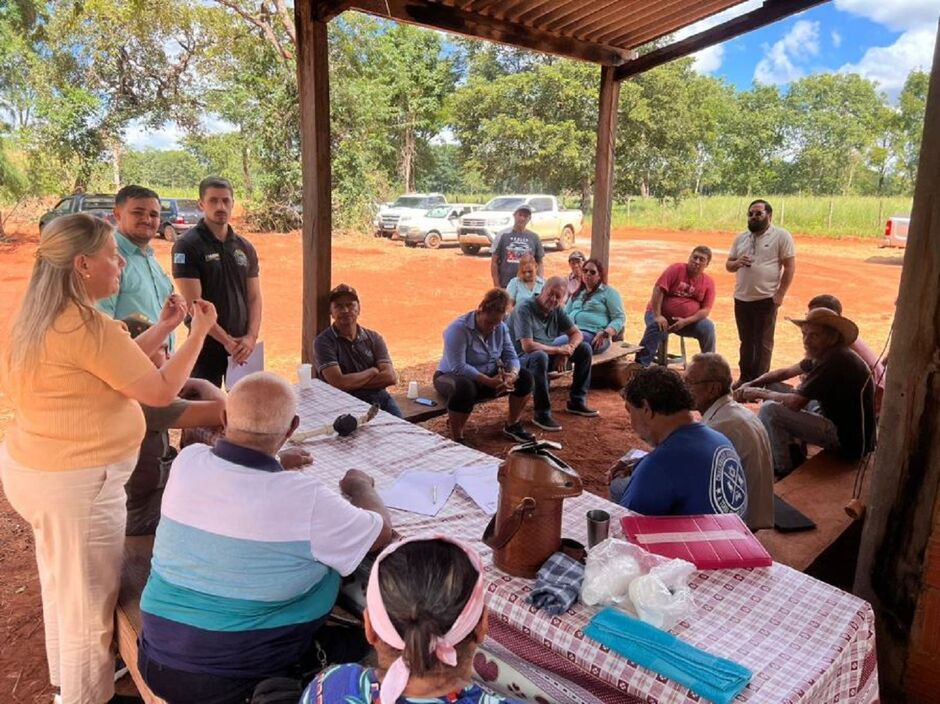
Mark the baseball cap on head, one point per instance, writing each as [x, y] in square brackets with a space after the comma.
[344, 290]
[576, 255]
[525, 207]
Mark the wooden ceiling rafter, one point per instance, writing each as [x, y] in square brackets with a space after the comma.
[551, 11]
[573, 18]
[656, 26]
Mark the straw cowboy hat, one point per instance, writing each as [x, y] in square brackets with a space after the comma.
[829, 318]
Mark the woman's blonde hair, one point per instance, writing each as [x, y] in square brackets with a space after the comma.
[54, 284]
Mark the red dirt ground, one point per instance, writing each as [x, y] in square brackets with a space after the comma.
[410, 295]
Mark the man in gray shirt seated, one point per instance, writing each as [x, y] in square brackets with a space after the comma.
[543, 334]
[708, 379]
[353, 358]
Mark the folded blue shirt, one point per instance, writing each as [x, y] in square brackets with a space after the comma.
[707, 675]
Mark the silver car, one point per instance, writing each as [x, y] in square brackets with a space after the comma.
[436, 226]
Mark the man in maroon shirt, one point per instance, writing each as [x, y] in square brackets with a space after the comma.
[681, 302]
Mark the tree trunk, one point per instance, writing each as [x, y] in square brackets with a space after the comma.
[117, 149]
[246, 170]
[408, 156]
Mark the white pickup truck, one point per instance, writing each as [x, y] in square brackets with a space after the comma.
[896, 231]
[410, 204]
[549, 222]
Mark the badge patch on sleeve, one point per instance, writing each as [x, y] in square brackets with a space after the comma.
[179, 258]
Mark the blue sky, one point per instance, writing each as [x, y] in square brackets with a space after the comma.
[881, 40]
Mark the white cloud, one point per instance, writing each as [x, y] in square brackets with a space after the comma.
[709, 60]
[898, 15]
[781, 60]
[836, 39]
[888, 66]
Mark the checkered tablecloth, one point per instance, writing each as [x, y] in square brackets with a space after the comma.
[804, 640]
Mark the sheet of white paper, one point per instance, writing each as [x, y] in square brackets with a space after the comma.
[419, 491]
[634, 454]
[254, 363]
[479, 481]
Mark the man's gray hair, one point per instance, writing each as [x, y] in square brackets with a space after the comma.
[261, 403]
[554, 281]
[715, 368]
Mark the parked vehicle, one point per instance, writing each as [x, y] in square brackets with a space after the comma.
[435, 227]
[896, 231]
[386, 222]
[176, 216]
[549, 222]
[98, 204]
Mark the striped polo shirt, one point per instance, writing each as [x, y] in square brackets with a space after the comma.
[246, 562]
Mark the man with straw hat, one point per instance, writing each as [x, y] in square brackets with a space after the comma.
[836, 379]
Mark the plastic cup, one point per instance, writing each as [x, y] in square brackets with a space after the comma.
[412, 389]
[305, 376]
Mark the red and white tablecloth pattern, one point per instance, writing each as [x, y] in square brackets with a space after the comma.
[804, 640]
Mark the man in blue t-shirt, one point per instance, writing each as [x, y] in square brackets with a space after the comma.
[691, 470]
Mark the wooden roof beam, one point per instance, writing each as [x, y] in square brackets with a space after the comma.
[612, 23]
[770, 12]
[325, 10]
[438, 16]
[647, 24]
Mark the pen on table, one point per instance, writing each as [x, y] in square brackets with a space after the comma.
[434, 494]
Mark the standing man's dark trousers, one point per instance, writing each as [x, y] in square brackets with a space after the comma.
[212, 362]
[756, 321]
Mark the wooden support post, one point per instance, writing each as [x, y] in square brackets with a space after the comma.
[313, 81]
[898, 560]
[604, 165]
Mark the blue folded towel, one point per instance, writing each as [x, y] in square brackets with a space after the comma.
[709, 676]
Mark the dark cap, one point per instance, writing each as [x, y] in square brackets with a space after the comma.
[344, 290]
[137, 323]
[525, 206]
[576, 254]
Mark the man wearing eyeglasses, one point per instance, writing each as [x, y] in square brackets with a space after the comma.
[763, 260]
[708, 379]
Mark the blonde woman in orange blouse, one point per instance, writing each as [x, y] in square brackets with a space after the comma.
[75, 378]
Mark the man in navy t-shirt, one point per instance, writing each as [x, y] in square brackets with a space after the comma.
[692, 469]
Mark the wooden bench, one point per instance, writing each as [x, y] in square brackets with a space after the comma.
[416, 412]
[134, 574]
[820, 488]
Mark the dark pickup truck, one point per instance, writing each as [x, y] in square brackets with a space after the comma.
[97, 204]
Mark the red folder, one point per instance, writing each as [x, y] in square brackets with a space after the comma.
[714, 542]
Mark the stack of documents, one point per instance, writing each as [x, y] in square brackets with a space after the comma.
[426, 492]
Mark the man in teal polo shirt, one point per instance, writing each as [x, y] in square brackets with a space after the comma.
[144, 285]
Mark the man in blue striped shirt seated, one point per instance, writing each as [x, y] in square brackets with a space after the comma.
[248, 556]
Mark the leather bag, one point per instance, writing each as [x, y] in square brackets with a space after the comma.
[526, 530]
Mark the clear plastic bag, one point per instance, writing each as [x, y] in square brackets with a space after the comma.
[649, 586]
[662, 597]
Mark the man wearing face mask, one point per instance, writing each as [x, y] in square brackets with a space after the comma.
[763, 260]
[144, 285]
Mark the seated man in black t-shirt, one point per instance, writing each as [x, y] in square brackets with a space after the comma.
[836, 378]
[353, 358]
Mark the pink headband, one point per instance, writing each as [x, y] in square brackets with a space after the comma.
[396, 679]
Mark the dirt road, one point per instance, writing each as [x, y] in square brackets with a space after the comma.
[410, 295]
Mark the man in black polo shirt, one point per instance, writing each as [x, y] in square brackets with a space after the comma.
[353, 358]
[210, 261]
[835, 378]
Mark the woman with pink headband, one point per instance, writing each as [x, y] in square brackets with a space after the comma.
[424, 616]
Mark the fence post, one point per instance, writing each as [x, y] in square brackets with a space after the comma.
[829, 222]
[783, 213]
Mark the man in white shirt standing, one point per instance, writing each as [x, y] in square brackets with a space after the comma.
[708, 379]
[764, 262]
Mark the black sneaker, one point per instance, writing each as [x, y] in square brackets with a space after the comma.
[579, 409]
[546, 422]
[518, 433]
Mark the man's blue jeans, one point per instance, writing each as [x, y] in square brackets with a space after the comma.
[703, 331]
[539, 363]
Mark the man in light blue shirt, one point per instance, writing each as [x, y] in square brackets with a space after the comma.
[145, 287]
[480, 362]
